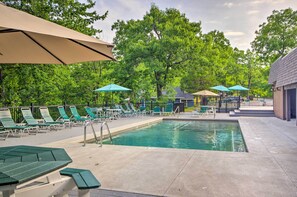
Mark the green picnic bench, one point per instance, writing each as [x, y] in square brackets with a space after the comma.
[24, 168]
[84, 179]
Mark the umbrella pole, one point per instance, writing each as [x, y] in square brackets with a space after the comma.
[111, 98]
[238, 99]
[220, 102]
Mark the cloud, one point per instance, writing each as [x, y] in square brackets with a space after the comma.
[252, 12]
[234, 33]
[212, 22]
[257, 2]
[228, 4]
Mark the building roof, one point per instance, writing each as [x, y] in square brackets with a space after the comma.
[284, 70]
[274, 71]
[182, 94]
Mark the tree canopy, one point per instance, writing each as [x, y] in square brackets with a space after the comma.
[277, 36]
[159, 46]
[157, 53]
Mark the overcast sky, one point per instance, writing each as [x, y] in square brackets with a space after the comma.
[238, 19]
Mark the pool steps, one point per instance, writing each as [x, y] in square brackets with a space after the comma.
[252, 113]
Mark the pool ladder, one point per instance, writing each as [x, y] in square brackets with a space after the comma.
[87, 123]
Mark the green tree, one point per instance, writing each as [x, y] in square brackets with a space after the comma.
[277, 36]
[163, 43]
[213, 64]
[88, 77]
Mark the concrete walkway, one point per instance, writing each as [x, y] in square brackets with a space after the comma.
[268, 169]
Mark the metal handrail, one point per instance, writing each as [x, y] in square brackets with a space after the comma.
[176, 110]
[101, 132]
[87, 123]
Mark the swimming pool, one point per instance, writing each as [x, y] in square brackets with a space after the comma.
[204, 135]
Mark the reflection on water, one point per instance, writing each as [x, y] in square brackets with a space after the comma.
[204, 135]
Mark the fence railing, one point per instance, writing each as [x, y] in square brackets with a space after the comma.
[16, 112]
[223, 107]
[53, 109]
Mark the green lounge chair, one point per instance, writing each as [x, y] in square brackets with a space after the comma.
[76, 116]
[203, 111]
[93, 116]
[143, 111]
[4, 133]
[168, 109]
[9, 124]
[48, 119]
[157, 110]
[63, 115]
[31, 121]
[123, 111]
[91, 113]
[129, 109]
[135, 111]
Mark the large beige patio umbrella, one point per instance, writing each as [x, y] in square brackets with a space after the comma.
[205, 93]
[25, 38]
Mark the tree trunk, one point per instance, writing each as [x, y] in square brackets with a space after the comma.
[159, 90]
[158, 84]
[249, 86]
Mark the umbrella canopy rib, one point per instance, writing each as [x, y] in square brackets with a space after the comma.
[8, 30]
[43, 47]
[92, 49]
[81, 44]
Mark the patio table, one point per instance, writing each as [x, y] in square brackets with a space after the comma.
[114, 113]
[23, 165]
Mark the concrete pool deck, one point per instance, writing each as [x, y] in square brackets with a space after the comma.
[268, 169]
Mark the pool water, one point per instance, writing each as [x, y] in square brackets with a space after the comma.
[204, 135]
